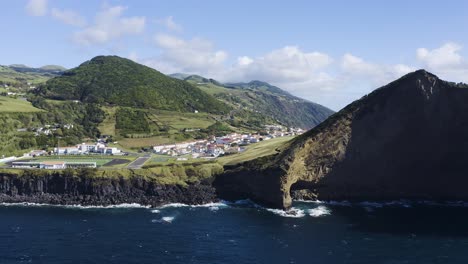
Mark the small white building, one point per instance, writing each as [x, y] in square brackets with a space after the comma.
[111, 151]
[67, 150]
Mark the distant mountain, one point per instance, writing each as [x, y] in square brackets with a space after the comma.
[179, 76]
[263, 98]
[19, 75]
[53, 68]
[118, 81]
[18, 66]
[405, 140]
[258, 85]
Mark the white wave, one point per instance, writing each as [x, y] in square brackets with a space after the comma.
[165, 219]
[220, 204]
[26, 204]
[78, 206]
[155, 211]
[173, 205]
[319, 211]
[168, 219]
[293, 212]
[211, 206]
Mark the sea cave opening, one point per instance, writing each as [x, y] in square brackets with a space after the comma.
[303, 190]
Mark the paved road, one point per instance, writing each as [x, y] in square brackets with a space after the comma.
[138, 163]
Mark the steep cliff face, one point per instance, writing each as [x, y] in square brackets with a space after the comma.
[60, 188]
[404, 140]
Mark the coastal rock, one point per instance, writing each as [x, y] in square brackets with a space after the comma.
[406, 140]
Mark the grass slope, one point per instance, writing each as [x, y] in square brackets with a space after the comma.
[254, 151]
[12, 105]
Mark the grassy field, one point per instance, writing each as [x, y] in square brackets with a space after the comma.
[13, 105]
[178, 121]
[253, 151]
[107, 127]
[136, 143]
[175, 122]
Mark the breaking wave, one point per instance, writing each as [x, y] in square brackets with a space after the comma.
[165, 219]
[78, 206]
[293, 212]
[319, 211]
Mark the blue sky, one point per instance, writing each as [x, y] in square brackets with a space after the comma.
[330, 52]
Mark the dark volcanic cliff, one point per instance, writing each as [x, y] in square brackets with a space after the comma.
[59, 187]
[407, 139]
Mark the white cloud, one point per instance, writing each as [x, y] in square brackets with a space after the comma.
[286, 64]
[194, 55]
[445, 61]
[244, 61]
[170, 24]
[68, 17]
[37, 7]
[378, 74]
[445, 56]
[109, 25]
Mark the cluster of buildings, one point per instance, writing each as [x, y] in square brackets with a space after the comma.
[49, 129]
[231, 143]
[98, 148]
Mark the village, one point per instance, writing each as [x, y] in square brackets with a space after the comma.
[229, 144]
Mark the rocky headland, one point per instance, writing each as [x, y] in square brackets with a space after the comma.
[406, 140]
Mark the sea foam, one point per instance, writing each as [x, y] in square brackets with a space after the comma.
[293, 212]
[165, 219]
[319, 211]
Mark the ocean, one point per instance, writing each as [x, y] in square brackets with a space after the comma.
[242, 232]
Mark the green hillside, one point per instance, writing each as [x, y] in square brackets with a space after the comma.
[261, 101]
[117, 81]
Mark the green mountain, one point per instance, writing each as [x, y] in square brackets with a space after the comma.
[261, 98]
[117, 81]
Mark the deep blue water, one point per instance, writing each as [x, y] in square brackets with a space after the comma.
[235, 234]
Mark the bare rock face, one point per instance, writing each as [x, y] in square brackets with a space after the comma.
[406, 140]
[58, 188]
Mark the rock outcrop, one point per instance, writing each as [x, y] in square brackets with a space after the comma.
[406, 140]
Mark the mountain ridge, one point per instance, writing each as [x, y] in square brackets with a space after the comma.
[262, 97]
